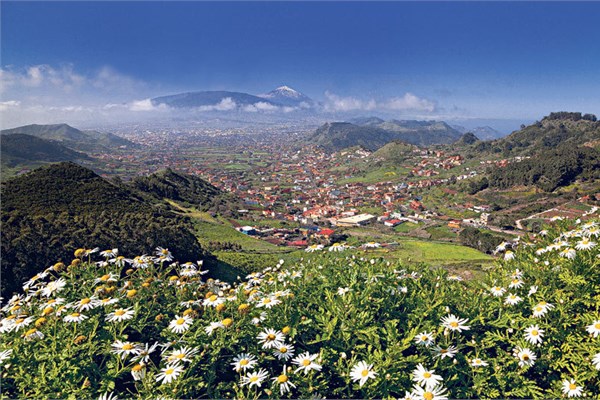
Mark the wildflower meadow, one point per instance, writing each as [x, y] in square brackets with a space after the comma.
[341, 324]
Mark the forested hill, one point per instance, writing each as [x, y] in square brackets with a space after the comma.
[187, 189]
[53, 210]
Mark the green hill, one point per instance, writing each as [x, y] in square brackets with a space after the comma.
[88, 141]
[394, 152]
[52, 210]
[21, 150]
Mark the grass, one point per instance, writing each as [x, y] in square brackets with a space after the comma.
[405, 227]
[207, 232]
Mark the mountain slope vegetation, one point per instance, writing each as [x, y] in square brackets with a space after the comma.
[21, 149]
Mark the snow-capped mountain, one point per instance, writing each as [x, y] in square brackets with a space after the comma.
[287, 96]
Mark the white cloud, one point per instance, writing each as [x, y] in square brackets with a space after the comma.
[260, 106]
[408, 102]
[139, 105]
[226, 104]
[6, 105]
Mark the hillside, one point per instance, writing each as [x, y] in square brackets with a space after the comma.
[420, 133]
[336, 136]
[339, 325]
[52, 210]
[188, 189]
[549, 133]
[88, 141]
[21, 150]
[287, 96]
[395, 152]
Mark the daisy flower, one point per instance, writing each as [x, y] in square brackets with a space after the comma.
[361, 372]
[183, 354]
[169, 373]
[594, 328]
[75, 317]
[110, 253]
[455, 324]
[163, 254]
[429, 393]
[108, 396]
[585, 244]
[425, 339]
[180, 324]
[213, 326]
[509, 255]
[255, 378]
[372, 245]
[442, 352]
[284, 352]
[268, 302]
[138, 371]
[313, 248]
[568, 253]
[532, 290]
[125, 349]
[541, 309]
[337, 247]
[596, 361]
[33, 334]
[342, 290]
[526, 357]
[571, 389]
[515, 283]
[121, 314]
[305, 362]
[143, 356]
[478, 362]
[4, 355]
[512, 299]
[426, 378]
[213, 301]
[244, 361]
[110, 277]
[534, 334]
[108, 301]
[497, 291]
[271, 339]
[284, 382]
[54, 287]
[21, 322]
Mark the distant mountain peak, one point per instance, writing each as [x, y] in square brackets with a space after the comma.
[287, 96]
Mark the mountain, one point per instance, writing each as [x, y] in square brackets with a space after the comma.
[21, 150]
[466, 139]
[373, 133]
[335, 136]
[482, 132]
[52, 211]
[549, 133]
[88, 141]
[287, 96]
[217, 100]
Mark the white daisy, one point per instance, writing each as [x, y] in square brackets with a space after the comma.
[213, 326]
[271, 339]
[125, 349]
[425, 339]
[362, 372]
[497, 291]
[596, 361]
[534, 334]
[429, 393]
[138, 371]
[169, 373]
[284, 383]
[585, 244]
[444, 352]
[425, 377]
[541, 309]
[515, 283]
[478, 362]
[244, 361]
[455, 324]
[180, 324]
[341, 291]
[213, 301]
[5, 355]
[526, 357]
[305, 362]
[121, 314]
[183, 354]
[313, 248]
[284, 352]
[75, 317]
[568, 253]
[532, 290]
[145, 351]
[268, 302]
[571, 389]
[255, 378]
[512, 299]
[54, 287]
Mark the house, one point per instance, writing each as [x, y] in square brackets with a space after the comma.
[392, 222]
[454, 224]
[326, 233]
[248, 230]
[357, 220]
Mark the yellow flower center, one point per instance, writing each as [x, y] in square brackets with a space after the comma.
[443, 351]
[253, 378]
[131, 293]
[75, 315]
[427, 375]
[104, 278]
[424, 338]
[244, 362]
[169, 371]
[266, 301]
[137, 367]
[539, 309]
[365, 372]
[597, 325]
[306, 362]
[180, 356]
[180, 321]
[428, 396]
[19, 320]
[127, 346]
[85, 301]
[30, 332]
[283, 350]
[271, 336]
[525, 357]
[534, 333]
[213, 298]
[282, 378]
[227, 322]
[119, 313]
[454, 324]
[572, 386]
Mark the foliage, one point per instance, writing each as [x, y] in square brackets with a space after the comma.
[480, 240]
[342, 310]
[50, 211]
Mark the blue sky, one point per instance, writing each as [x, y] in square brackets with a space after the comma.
[469, 59]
